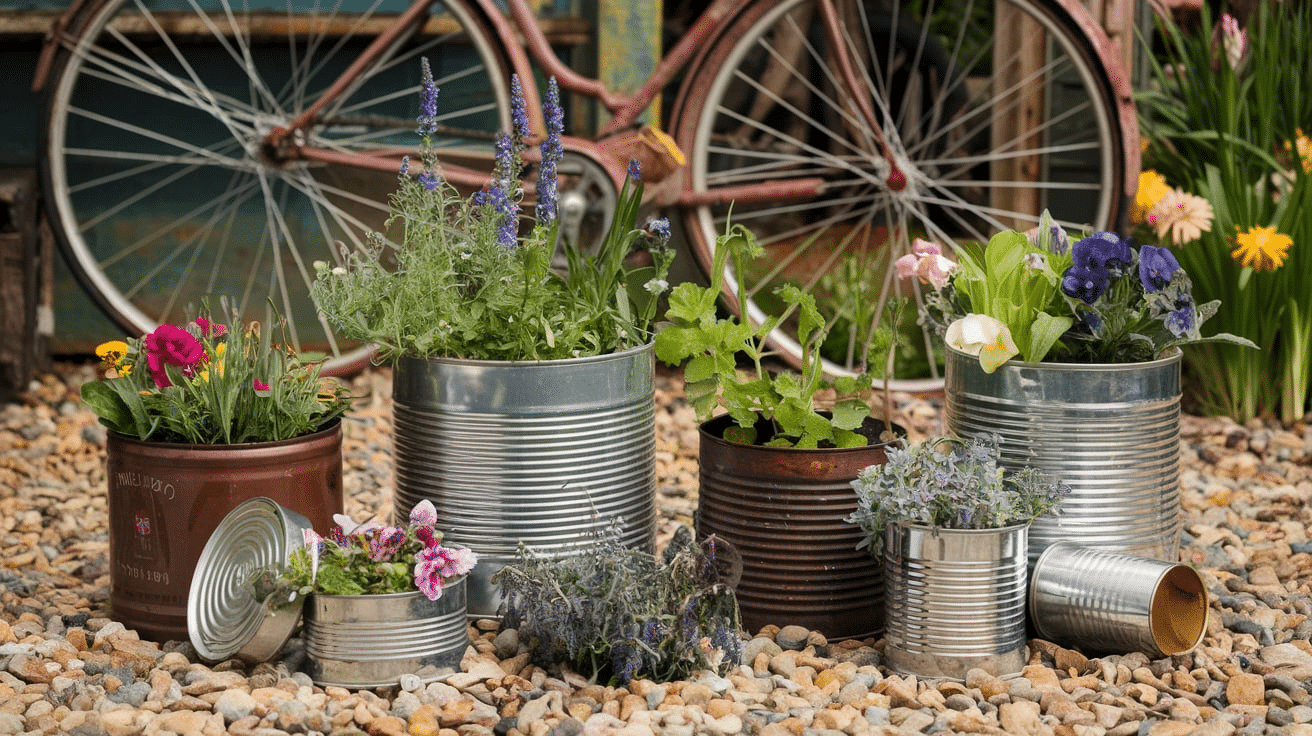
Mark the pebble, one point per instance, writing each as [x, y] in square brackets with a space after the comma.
[66, 667]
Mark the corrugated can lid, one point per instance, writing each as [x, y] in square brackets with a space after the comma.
[224, 618]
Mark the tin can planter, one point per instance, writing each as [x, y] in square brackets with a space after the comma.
[1109, 431]
[783, 510]
[541, 453]
[955, 600]
[363, 641]
[166, 499]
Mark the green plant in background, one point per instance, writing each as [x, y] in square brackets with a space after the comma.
[949, 483]
[1226, 121]
[618, 613]
[711, 345]
[464, 284]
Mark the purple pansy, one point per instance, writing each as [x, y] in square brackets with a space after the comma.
[1156, 267]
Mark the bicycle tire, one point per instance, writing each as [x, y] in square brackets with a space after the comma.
[157, 185]
[770, 112]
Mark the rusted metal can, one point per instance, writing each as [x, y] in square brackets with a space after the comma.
[955, 599]
[1102, 601]
[783, 510]
[1111, 432]
[360, 641]
[542, 453]
[165, 500]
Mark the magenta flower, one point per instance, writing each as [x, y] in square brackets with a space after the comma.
[435, 565]
[172, 345]
[384, 543]
[208, 328]
[259, 385]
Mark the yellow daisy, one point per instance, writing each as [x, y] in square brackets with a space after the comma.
[1301, 149]
[1262, 248]
[1152, 187]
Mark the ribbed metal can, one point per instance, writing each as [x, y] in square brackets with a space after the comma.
[782, 510]
[954, 600]
[1109, 431]
[361, 641]
[541, 453]
[1108, 602]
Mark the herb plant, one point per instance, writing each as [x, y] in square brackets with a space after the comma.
[949, 483]
[785, 400]
[464, 284]
[359, 559]
[618, 613]
[1096, 300]
[209, 382]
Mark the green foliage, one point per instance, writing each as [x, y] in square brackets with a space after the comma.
[950, 483]
[710, 345]
[615, 613]
[453, 288]
[1232, 135]
[236, 386]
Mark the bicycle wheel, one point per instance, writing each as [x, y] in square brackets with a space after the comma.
[160, 182]
[991, 112]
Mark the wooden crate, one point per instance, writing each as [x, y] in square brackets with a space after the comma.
[24, 283]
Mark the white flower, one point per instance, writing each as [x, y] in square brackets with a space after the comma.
[423, 514]
[983, 336]
[656, 286]
[1036, 261]
[339, 271]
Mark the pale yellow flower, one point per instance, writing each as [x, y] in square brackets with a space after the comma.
[1262, 248]
[984, 336]
[1301, 149]
[1185, 216]
[1152, 187]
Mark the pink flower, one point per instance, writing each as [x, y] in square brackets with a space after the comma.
[172, 345]
[435, 565]
[423, 514]
[927, 263]
[384, 543]
[208, 328]
[259, 385]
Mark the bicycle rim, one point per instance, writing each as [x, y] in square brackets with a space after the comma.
[988, 134]
[157, 182]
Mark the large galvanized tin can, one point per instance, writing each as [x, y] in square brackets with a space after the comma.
[783, 510]
[1108, 602]
[165, 500]
[955, 599]
[545, 454]
[1110, 431]
[361, 641]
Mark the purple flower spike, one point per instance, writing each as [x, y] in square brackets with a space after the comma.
[635, 169]
[1156, 267]
[429, 180]
[500, 196]
[552, 150]
[518, 109]
[405, 166]
[660, 228]
[428, 101]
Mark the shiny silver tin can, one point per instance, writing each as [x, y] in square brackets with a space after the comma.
[541, 453]
[1111, 432]
[954, 600]
[1107, 602]
[361, 641]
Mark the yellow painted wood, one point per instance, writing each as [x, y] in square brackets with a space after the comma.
[629, 45]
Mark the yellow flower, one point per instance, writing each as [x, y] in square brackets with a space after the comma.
[1302, 149]
[112, 353]
[1262, 248]
[1152, 187]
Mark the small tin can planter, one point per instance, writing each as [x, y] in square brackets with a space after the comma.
[544, 453]
[363, 641]
[165, 500]
[954, 600]
[783, 510]
[1109, 431]
[1101, 601]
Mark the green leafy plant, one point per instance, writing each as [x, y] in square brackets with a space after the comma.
[210, 382]
[949, 483]
[369, 558]
[786, 401]
[618, 613]
[1226, 119]
[463, 283]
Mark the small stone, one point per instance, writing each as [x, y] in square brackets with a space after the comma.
[1245, 688]
[792, 637]
[234, 705]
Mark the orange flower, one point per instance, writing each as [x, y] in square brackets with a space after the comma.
[1262, 248]
[1152, 187]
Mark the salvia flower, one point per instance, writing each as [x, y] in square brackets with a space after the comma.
[427, 101]
[552, 150]
[635, 169]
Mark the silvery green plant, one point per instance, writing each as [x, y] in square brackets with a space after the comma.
[464, 283]
[950, 483]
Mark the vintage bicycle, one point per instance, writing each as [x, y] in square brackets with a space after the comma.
[211, 146]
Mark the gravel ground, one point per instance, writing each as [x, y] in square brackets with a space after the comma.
[65, 667]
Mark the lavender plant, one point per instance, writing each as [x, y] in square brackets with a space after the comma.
[464, 283]
[618, 613]
[951, 483]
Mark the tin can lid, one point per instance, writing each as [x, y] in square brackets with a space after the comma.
[225, 620]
